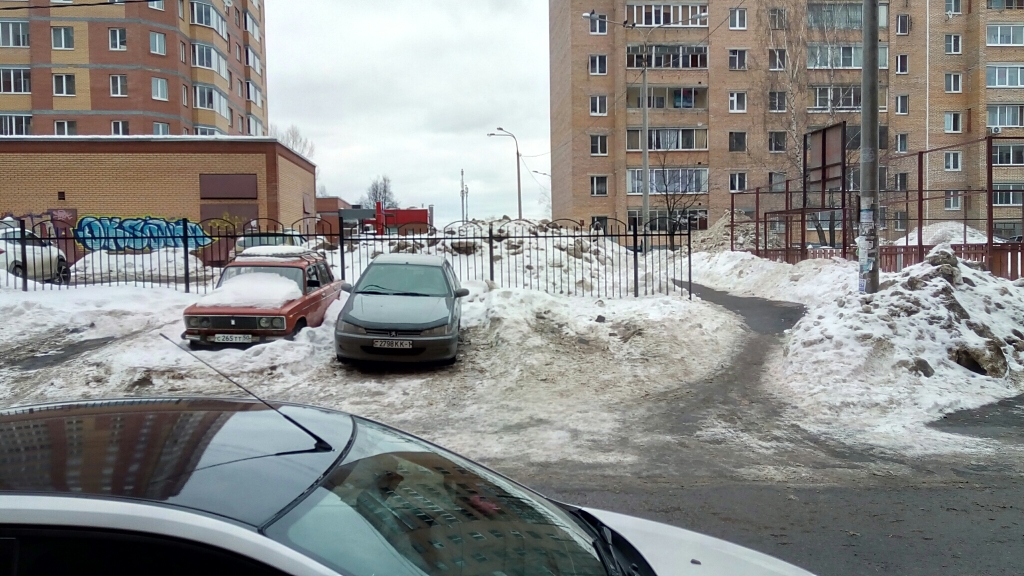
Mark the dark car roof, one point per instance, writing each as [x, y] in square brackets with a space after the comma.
[220, 456]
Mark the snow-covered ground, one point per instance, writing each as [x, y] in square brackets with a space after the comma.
[950, 232]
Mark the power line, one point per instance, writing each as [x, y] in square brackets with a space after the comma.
[57, 6]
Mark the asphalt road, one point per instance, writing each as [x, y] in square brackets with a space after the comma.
[932, 518]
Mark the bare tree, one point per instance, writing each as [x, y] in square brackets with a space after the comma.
[380, 191]
[676, 197]
[292, 138]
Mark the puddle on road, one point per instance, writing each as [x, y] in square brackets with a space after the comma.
[1002, 420]
[60, 355]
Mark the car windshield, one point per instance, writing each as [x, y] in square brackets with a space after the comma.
[292, 273]
[399, 506]
[250, 240]
[403, 279]
[30, 238]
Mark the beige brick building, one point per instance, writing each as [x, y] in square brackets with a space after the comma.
[79, 182]
[156, 67]
[735, 85]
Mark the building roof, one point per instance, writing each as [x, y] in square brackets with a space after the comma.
[416, 259]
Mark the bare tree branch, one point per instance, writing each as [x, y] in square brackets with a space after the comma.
[380, 191]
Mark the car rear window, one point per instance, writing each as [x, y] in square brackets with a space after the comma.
[411, 279]
[250, 240]
[289, 272]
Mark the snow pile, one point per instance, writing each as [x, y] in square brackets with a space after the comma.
[945, 233]
[9, 281]
[255, 290]
[716, 237]
[744, 274]
[275, 251]
[158, 266]
[940, 336]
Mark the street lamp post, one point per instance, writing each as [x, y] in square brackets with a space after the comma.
[519, 179]
[645, 177]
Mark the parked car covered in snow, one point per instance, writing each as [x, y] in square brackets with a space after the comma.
[207, 486]
[267, 293]
[404, 308]
[287, 237]
[42, 260]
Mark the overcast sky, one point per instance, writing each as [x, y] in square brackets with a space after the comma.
[410, 88]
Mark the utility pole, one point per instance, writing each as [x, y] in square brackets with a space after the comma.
[868, 245]
[462, 193]
[645, 177]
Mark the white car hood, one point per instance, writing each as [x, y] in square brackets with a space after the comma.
[670, 550]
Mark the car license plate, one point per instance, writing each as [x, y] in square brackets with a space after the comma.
[392, 343]
[233, 338]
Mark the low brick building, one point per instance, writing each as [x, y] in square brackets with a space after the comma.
[104, 181]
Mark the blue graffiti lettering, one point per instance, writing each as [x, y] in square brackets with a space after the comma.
[117, 234]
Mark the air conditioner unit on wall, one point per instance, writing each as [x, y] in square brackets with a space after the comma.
[995, 130]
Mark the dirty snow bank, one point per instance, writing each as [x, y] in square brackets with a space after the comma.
[940, 336]
[742, 273]
[165, 265]
[254, 290]
[945, 233]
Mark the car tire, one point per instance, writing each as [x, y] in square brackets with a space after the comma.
[343, 360]
[299, 325]
[63, 275]
[450, 361]
[17, 270]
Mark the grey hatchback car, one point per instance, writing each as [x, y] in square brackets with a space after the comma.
[404, 308]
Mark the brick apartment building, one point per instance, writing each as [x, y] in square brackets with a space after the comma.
[735, 85]
[156, 67]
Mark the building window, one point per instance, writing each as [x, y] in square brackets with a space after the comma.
[954, 43]
[15, 81]
[253, 94]
[669, 180]
[598, 64]
[952, 200]
[65, 128]
[903, 104]
[776, 59]
[737, 102]
[851, 56]
[737, 19]
[776, 141]
[737, 181]
[902, 63]
[686, 15]
[598, 185]
[63, 37]
[255, 126]
[777, 18]
[157, 43]
[241, 89]
[598, 23]
[238, 52]
[15, 125]
[118, 39]
[252, 60]
[669, 139]
[777, 181]
[1006, 4]
[119, 85]
[181, 9]
[598, 105]
[953, 125]
[952, 6]
[737, 141]
[252, 26]
[210, 98]
[598, 222]
[902, 142]
[156, 4]
[184, 95]
[13, 35]
[952, 161]
[161, 128]
[160, 91]
[776, 101]
[953, 83]
[204, 14]
[737, 59]
[902, 24]
[119, 128]
[1004, 76]
[1007, 194]
[900, 180]
[63, 84]
[598, 145]
[1005, 35]
[1008, 155]
[1006, 115]
[674, 57]
[837, 98]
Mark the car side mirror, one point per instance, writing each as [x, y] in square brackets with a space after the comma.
[462, 292]
[346, 287]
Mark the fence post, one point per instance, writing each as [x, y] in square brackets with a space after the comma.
[732, 222]
[490, 249]
[689, 259]
[184, 240]
[636, 265]
[341, 242]
[24, 256]
[920, 207]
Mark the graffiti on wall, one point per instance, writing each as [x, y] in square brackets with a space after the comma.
[146, 233]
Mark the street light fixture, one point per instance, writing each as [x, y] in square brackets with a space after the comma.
[645, 177]
[519, 179]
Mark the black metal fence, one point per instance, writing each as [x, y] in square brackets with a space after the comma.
[559, 257]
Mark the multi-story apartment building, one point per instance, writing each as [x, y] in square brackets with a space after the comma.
[735, 85]
[132, 67]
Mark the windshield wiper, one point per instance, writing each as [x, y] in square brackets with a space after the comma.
[602, 543]
[374, 292]
[409, 294]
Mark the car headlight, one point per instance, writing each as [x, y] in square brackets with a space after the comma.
[439, 331]
[352, 328]
[264, 322]
[278, 323]
[204, 322]
[193, 322]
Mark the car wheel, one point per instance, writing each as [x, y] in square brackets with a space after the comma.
[18, 270]
[299, 325]
[450, 361]
[63, 275]
[343, 360]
